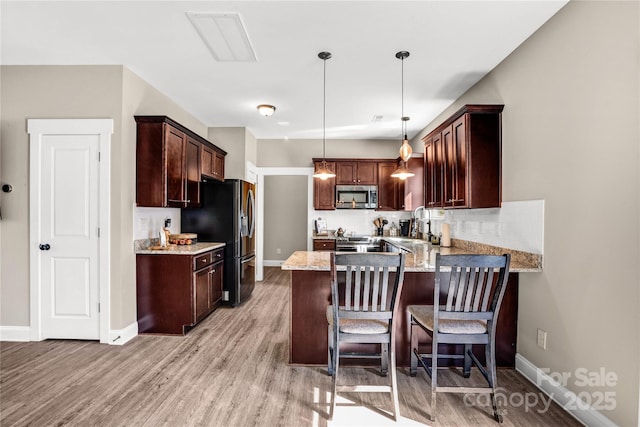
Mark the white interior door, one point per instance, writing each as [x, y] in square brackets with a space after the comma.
[69, 237]
[68, 212]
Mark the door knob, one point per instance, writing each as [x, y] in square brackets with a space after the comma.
[44, 247]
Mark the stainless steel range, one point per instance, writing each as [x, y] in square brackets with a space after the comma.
[358, 244]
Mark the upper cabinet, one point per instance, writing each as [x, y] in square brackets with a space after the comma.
[169, 163]
[411, 190]
[388, 187]
[324, 191]
[212, 162]
[354, 172]
[462, 158]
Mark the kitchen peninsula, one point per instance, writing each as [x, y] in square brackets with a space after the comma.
[310, 290]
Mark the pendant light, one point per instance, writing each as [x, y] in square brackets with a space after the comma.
[323, 172]
[405, 149]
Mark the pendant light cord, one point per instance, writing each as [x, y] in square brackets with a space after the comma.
[402, 96]
[324, 104]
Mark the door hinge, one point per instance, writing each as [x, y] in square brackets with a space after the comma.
[98, 307]
[98, 231]
[98, 156]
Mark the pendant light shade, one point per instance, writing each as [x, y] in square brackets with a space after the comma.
[323, 172]
[405, 149]
[402, 172]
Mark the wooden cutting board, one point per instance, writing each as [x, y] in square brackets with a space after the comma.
[183, 236]
[162, 248]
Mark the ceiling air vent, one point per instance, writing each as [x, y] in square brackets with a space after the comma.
[225, 36]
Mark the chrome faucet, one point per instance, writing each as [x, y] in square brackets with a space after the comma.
[414, 227]
[414, 231]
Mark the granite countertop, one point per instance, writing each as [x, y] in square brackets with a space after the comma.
[194, 249]
[421, 257]
[330, 236]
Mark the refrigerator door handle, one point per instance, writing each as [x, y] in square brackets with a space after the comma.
[251, 212]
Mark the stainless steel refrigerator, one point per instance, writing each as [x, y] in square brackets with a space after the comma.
[227, 215]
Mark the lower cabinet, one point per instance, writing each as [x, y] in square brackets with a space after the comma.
[324, 245]
[175, 292]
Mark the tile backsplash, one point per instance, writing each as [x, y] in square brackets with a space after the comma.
[516, 225]
[358, 221]
[147, 222]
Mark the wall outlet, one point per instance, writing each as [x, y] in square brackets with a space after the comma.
[278, 251]
[542, 339]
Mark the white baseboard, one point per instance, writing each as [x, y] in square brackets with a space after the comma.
[124, 335]
[15, 333]
[564, 397]
[272, 263]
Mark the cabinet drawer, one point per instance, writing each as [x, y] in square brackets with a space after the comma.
[202, 260]
[324, 245]
[217, 255]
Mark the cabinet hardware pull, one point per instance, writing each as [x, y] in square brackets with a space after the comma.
[203, 260]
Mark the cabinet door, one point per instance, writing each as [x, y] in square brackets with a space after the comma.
[216, 283]
[324, 191]
[449, 166]
[388, 197]
[459, 163]
[346, 173]
[206, 161]
[412, 188]
[435, 171]
[367, 173]
[218, 165]
[175, 142]
[192, 181]
[202, 293]
[429, 173]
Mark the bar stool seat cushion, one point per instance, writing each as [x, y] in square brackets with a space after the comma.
[359, 326]
[423, 314]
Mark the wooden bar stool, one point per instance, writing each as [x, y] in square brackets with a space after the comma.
[469, 316]
[364, 313]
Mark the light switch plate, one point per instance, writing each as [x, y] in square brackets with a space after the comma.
[542, 339]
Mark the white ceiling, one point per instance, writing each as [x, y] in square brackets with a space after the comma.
[452, 45]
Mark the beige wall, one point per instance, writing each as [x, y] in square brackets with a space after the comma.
[571, 137]
[29, 92]
[73, 92]
[299, 152]
[285, 212]
[231, 140]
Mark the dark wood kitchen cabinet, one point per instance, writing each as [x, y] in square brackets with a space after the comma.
[462, 159]
[354, 172]
[175, 292]
[388, 187]
[411, 190]
[324, 191]
[169, 163]
[324, 244]
[212, 162]
[192, 172]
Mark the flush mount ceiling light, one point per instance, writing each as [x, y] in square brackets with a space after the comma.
[323, 172]
[405, 149]
[266, 109]
[225, 36]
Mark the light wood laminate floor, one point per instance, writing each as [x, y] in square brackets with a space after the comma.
[231, 370]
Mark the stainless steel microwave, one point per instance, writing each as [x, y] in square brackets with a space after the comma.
[356, 196]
